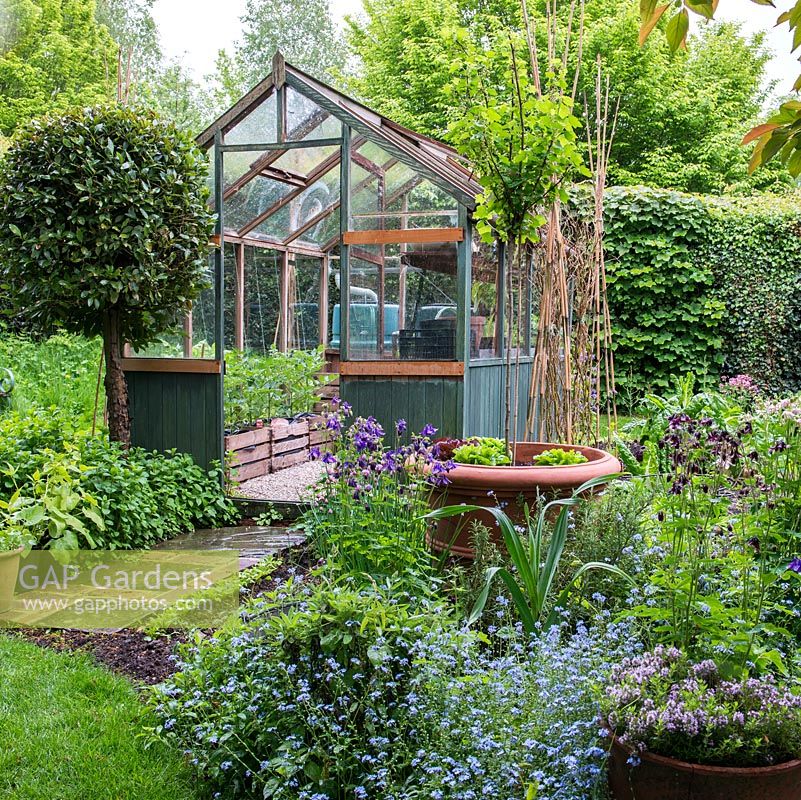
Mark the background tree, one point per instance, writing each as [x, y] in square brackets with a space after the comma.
[53, 55]
[303, 30]
[133, 28]
[104, 230]
[780, 136]
[162, 85]
[404, 50]
[682, 115]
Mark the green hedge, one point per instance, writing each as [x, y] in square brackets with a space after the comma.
[703, 284]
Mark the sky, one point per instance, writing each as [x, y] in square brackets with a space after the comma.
[194, 30]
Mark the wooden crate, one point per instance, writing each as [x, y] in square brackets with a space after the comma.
[250, 453]
[279, 444]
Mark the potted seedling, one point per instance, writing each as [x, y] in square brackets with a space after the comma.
[13, 542]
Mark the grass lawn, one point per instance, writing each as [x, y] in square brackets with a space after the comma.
[69, 730]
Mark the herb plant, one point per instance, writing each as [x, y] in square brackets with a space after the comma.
[664, 703]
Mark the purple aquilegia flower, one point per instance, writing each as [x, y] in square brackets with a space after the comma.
[428, 431]
[795, 565]
[401, 426]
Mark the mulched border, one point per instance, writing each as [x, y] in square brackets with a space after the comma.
[144, 659]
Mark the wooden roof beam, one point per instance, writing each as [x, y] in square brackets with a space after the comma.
[264, 160]
[310, 223]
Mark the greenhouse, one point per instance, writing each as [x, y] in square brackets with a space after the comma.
[318, 192]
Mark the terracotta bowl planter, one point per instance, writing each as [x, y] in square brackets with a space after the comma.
[661, 778]
[9, 569]
[512, 487]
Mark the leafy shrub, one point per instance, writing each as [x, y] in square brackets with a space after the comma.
[274, 384]
[141, 497]
[753, 248]
[702, 283]
[330, 692]
[664, 310]
[662, 702]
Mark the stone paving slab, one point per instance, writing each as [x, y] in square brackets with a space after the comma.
[254, 542]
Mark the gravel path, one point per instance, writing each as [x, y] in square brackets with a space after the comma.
[288, 485]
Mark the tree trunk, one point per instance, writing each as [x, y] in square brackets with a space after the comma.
[119, 423]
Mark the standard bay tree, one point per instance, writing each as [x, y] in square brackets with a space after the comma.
[104, 231]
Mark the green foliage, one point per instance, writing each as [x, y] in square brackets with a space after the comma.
[558, 457]
[59, 371]
[53, 55]
[682, 116]
[274, 384]
[664, 311]
[781, 135]
[727, 506]
[122, 499]
[536, 561]
[103, 210]
[64, 705]
[484, 450]
[703, 284]
[304, 32]
[56, 512]
[611, 529]
[753, 248]
[368, 515]
[403, 47]
[522, 143]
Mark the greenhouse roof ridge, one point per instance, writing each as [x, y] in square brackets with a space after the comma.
[436, 160]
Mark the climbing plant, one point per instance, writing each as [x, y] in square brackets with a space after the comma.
[664, 312]
[703, 284]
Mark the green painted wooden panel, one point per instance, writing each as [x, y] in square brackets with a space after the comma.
[485, 394]
[419, 401]
[175, 410]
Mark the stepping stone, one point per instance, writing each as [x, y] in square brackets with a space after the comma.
[254, 542]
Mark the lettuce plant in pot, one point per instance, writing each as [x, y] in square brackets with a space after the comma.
[682, 730]
[487, 473]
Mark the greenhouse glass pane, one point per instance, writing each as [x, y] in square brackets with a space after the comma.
[260, 125]
[305, 120]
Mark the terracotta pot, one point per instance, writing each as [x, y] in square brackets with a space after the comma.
[9, 569]
[660, 778]
[512, 486]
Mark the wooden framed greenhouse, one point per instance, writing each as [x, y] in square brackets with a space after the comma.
[338, 227]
